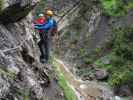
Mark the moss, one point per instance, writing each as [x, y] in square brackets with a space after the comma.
[25, 93]
[82, 51]
[99, 63]
[85, 72]
[68, 92]
[10, 75]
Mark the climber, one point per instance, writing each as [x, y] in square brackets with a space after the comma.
[49, 28]
[40, 20]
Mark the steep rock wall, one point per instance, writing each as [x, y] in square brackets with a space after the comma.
[85, 34]
[79, 32]
[22, 76]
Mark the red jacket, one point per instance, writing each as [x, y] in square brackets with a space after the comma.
[41, 20]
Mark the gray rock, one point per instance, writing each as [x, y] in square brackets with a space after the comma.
[14, 10]
[105, 60]
[124, 90]
[101, 74]
[17, 74]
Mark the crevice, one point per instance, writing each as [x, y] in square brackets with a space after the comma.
[42, 76]
[26, 57]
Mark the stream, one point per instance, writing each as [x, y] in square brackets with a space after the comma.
[87, 90]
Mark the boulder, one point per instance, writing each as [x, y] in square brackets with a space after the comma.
[124, 90]
[105, 60]
[101, 74]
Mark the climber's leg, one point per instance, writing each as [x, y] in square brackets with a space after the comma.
[48, 46]
[46, 49]
[42, 47]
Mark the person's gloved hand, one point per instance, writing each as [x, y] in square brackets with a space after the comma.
[32, 25]
[36, 27]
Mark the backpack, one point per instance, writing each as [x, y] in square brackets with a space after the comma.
[54, 29]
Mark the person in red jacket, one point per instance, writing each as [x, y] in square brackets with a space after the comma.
[40, 20]
[49, 28]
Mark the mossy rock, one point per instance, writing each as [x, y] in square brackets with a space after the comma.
[8, 74]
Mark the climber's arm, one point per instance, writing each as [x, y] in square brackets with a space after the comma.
[39, 24]
[44, 26]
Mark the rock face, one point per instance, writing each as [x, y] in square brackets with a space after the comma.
[9, 12]
[22, 76]
[82, 30]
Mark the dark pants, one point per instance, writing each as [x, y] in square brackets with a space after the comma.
[45, 45]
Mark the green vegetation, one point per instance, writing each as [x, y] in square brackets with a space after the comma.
[100, 63]
[121, 58]
[25, 93]
[1, 1]
[10, 75]
[68, 92]
[116, 7]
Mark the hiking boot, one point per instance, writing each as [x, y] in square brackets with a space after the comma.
[43, 61]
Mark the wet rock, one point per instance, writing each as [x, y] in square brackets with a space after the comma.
[105, 60]
[124, 90]
[101, 74]
[118, 98]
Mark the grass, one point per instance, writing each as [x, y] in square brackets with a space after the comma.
[116, 7]
[68, 92]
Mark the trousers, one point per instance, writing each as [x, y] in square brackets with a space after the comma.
[45, 45]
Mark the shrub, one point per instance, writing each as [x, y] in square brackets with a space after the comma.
[113, 7]
[121, 58]
[123, 43]
[121, 72]
[117, 7]
[121, 78]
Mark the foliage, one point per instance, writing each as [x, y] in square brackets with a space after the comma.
[69, 93]
[120, 78]
[99, 63]
[116, 7]
[123, 43]
[121, 58]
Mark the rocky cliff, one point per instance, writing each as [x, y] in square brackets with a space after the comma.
[22, 77]
[85, 35]
[86, 29]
